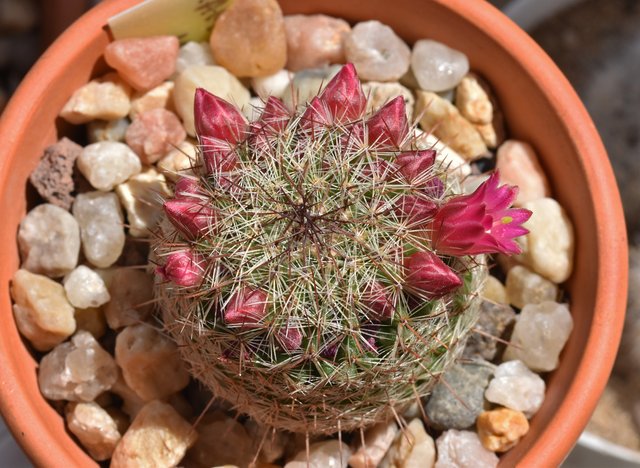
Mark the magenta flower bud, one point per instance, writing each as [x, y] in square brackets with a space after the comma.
[186, 187]
[481, 222]
[388, 127]
[290, 338]
[216, 118]
[415, 165]
[377, 301]
[316, 116]
[184, 268]
[414, 209]
[275, 116]
[247, 307]
[343, 95]
[190, 217]
[426, 274]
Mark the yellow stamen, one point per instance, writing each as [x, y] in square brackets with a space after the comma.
[506, 219]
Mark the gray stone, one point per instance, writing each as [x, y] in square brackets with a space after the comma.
[457, 400]
[492, 323]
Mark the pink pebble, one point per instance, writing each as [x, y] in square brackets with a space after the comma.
[144, 62]
[154, 133]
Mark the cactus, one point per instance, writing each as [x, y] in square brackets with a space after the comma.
[318, 271]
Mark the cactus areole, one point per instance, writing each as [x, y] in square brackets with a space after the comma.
[317, 270]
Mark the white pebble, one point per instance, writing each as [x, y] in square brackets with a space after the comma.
[526, 287]
[101, 227]
[77, 370]
[328, 454]
[272, 85]
[412, 448]
[377, 441]
[42, 312]
[548, 248]
[539, 335]
[179, 161]
[94, 427]
[106, 98]
[108, 163]
[160, 97]
[142, 197]
[49, 240]
[463, 449]
[436, 66]
[377, 52]
[194, 53]
[214, 79]
[85, 288]
[447, 159]
[516, 387]
[379, 94]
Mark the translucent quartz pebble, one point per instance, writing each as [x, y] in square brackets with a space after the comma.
[539, 335]
[214, 79]
[131, 297]
[516, 387]
[94, 427]
[379, 94]
[501, 429]
[436, 66]
[518, 164]
[526, 287]
[194, 53]
[157, 437]
[106, 98]
[248, 38]
[150, 362]
[548, 248]
[235, 448]
[179, 161]
[85, 288]
[412, 448]
[446, 158]
[78, 370]
[463, 449]
[377, 52]
[143, 62]
[154, 133]
[101, 227]
[160, 97]
[377, 441]
[314, 40]
[272, 85]
[327, 454]
[41, 310]
[142, 197]
[49, 240]
[306, 84]
[107, 164]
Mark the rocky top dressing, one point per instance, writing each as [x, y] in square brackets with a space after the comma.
[84, 293]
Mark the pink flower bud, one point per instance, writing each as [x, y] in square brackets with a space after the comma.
[481, 222]
[315, 116]
[414, 209]
[184, 268]
[275, 115]
[343, 95]
[247, 308]
[216, 118]
[388, 127]
[192, 218]
[376, 299]
[415, 165]
[186, 187]
[426, 274]
[290, 338]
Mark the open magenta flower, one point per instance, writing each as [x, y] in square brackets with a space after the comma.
[426, 274]
[184, 268]
[481, 222]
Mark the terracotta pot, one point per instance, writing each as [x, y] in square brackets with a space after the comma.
[540, 108]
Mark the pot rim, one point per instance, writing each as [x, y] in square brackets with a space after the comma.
[604, 335]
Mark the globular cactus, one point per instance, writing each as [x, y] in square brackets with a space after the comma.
[318, 271]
